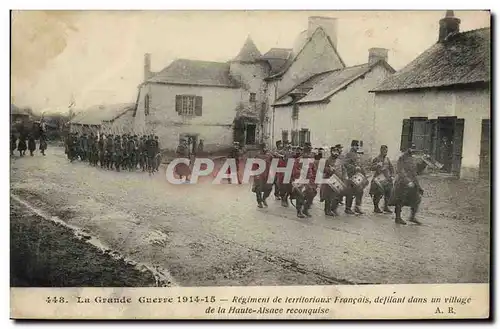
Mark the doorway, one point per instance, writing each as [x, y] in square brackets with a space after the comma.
[250, 134]
[484, 153]
[192, 142]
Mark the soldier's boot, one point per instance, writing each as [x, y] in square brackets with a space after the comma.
[335, 205]
[31, 153]
[412, 216]
[300, 214]
[284, 201]
[307, 206]
[357, 208]
[399, 220]
[258, 195]
[348, 205]
[328, 207]
[264, 202]
[376, 201]
[386, 207]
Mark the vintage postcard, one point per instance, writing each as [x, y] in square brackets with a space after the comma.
[250, 164]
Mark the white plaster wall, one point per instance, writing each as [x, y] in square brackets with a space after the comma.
[392, 108]
[318, 56]
[214, 126]
[349, 115]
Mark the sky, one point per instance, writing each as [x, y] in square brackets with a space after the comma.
[96, 57]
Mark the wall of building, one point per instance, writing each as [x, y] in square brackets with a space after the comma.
[473, 106]
[214, 126]
[316, 57]
[349, 115]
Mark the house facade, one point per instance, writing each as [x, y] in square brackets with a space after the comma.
[258, 97]
[209, 102]
[441, 102]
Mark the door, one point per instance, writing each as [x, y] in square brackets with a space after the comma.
[458, 138]
[250, 133]
[484, 153]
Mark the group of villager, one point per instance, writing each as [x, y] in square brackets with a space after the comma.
[27, 141]
[115, 152]
[347, 179]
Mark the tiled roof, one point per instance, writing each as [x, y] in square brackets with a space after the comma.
[249, 53]
[324, 85]
[96, 115]
[464, 58]
[194, 72]
[277, 58]
[17, 111]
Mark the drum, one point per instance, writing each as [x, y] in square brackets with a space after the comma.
[336, 184]
[359, 180]
[382, 182]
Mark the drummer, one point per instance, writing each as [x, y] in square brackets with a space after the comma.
[353, 166]
[331, 196]
[381, 184]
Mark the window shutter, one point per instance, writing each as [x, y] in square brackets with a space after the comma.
[178, 104]
[308, 136]
[295, 138]
[302, 137]
[405, 135]
[295, 111]
[198, 104]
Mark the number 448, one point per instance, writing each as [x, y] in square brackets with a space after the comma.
[54, 299]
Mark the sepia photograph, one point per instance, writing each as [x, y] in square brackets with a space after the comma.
[232, 149]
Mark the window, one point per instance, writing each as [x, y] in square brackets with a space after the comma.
[146, 104]
[304, 136]
[252, 97]
[188, 105]
[284, 136]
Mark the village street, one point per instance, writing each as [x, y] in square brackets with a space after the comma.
[215, 235]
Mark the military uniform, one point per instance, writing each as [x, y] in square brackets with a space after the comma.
[260, 187]
[352, 163]
[235, 154]
[381, 165]
[13, 143]
[31, 144]
[21, 145]
[305, 193]
[333, 166]
[407, 190]
[182, 169]
[109, 150]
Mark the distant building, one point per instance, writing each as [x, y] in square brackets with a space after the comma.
[105, 119]
[441, 101]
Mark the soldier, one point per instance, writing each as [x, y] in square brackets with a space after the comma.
[109, 150]
[31, 143]
[118, 153]
[73, 147]
[381, 186]
[101, 149]
[142, 153]
[352, 164]
[333, 166]
[278, 178]
[157, 153]
[305, 193]
[236, 153]
[13, 143]
[407, 191]
[150, 149]
[21, 146]
[285, 187]
[182, 151]
[260, 186]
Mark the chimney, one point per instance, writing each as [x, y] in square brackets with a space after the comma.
[447, 25]
[329, 25]
[377, 54]
[147, 66]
